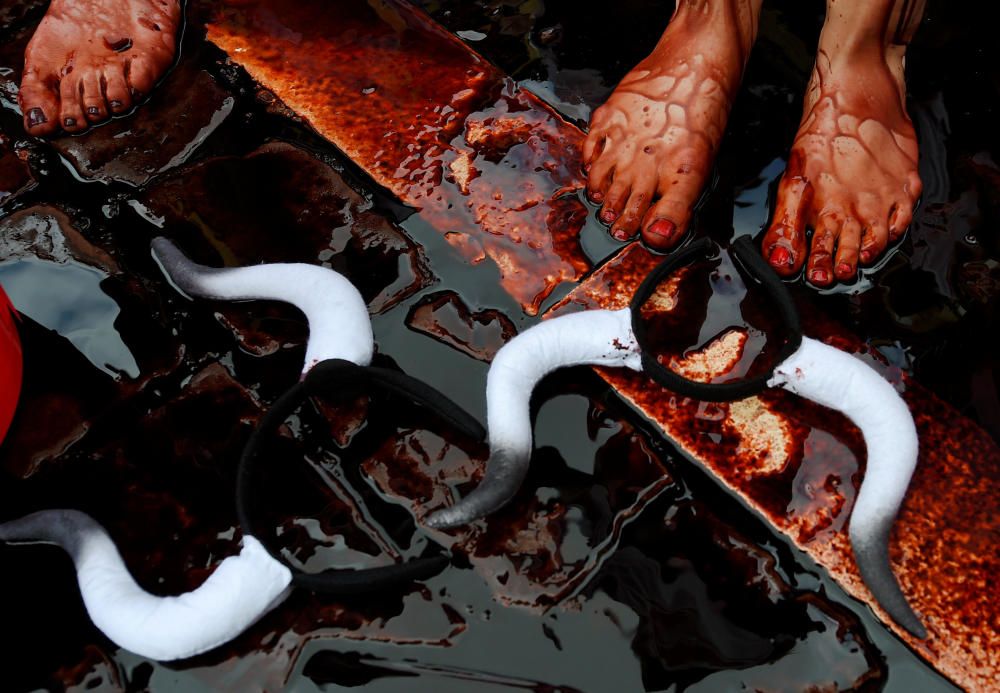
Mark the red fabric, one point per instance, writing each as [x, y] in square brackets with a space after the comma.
[10, 363]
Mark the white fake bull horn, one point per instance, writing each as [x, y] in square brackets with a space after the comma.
[815, 371]
[594, 338]
[837, 380]
[339, 324]
[239, 591]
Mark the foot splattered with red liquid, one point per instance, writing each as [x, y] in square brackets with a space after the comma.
[91, 59]
[652, 144]
[852, 174]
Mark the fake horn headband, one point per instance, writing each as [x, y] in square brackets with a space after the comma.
[243, 588]
[805, 367]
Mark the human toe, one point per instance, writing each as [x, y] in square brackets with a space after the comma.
[615, 199]
[846, 260]
[600, 177]
[635, 209]
[94, 106]
[899, 219]
[116, 90]
[819, 267]
[784, 244]
[40, 105]
[874, 240]
[665, 223]
[71, 117]
[667, 220]
[142, 74]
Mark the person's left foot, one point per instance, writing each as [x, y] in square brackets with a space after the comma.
[90, 59]
[852, 173]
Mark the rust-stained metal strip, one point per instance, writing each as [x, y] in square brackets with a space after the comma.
[486, 162]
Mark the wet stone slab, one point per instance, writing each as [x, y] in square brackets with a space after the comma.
[488, 165]
[282, 204]
[799, 464]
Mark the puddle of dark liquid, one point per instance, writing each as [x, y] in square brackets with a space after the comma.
[68, 299]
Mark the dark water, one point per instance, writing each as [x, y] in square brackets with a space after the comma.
[137, 401]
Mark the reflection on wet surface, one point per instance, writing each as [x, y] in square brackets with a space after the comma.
[485, 162]
[619, 566]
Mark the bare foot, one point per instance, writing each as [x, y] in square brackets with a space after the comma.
[651, 146]
[852, 173]
[90, 59]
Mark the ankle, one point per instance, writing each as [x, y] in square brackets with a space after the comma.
[867, 27]
[728, 26]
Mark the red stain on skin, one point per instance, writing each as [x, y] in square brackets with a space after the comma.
[943, 549]
[456, 139]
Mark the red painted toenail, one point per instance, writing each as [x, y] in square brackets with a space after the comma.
[820, 276]
[596, 196]
[866, 256]
[619, 235]
[843, 269]
[781, 257]
[36, 117]
[663, 227]
[608, 216]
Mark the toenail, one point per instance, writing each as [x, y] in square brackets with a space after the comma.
[116, 105]
[596, 196]
[36, 117]
[608, 216]
[93, 110]
[69, 122]
[663, 227]
[843, 269]
[866, 256]
[820, 276]
[781, 257]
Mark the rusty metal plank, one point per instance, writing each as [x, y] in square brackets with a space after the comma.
[486, 163]
[799, 466]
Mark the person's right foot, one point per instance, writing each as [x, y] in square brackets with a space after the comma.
[90, 59]
[651, 145]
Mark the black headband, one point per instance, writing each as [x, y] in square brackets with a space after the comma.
[346, 376]
[754, 265]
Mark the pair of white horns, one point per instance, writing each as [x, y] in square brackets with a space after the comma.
[242, 588]
[815, 371]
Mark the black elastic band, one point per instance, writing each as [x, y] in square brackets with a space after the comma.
[744, 251]
[346, 376]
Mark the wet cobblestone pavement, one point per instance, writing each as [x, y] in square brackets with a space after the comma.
[620, 565]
